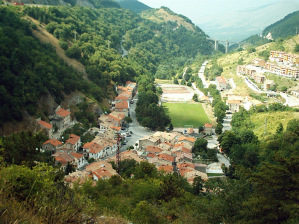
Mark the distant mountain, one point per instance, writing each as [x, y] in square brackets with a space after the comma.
[238, 25]
[288, 26]
[86, 3]
[133, 5]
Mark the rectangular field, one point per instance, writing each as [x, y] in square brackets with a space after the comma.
[182, 114]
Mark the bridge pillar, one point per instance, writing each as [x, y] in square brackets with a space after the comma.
[226, 47]
[216, 45]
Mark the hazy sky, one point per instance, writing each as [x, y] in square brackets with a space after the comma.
[199, 10]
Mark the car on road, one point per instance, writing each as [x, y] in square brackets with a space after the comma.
[132, 101]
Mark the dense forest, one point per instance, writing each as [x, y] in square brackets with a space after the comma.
[30, 70]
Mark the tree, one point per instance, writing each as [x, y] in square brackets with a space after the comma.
[227, 140]
[293, 126]
[279, 129]
[197, 185]
[195, 97]
[218, 129]
[275, 191]
[128, 119]
[183, 82]
[200, 145]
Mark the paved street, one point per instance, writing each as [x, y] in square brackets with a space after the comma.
[138, 131]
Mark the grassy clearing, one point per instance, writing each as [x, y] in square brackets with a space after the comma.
[273, 120]
[163, 81]
[186, 114]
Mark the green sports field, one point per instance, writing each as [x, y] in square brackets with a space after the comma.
[186, 114]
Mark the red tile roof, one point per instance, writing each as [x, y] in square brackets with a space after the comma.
[151, 155]
[45, 124]
[93, 147]
[151, 148]
[122, 97]
[221, 79]
[208, 125]
[73, 139]
[77, 155]
[63, 157]
[166, 157]
[129, 82]
[185, 165]
[116, 128]
[53, 142]
[166, 168]
[189, 139]
[122, 105]
[62, 112]
[104, 173]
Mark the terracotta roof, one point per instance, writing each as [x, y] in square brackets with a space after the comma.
[116, 128]
[166, 168]
[77, 155]
[166, 157]
[122, 97]
[189, 139]
[220, 79]
[208, 125]
[130, 82]
[185, 165]
[73, 139]
[151, 148]
[96, 165]
[152, 155]
[104, 173]
[53, 142]
[93, 147]
[62, 112]
[122, 105]
[63, 157]
[45, 124]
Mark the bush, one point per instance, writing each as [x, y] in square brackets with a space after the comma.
[63, 44]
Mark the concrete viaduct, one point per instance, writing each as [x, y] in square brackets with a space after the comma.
[226, 44]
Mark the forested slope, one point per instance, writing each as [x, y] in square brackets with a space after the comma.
[90, 36]
[30, 70]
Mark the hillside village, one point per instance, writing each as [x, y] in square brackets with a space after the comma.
[93, 147]
[168, 151]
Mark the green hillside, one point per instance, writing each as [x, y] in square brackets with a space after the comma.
[285, 27]
[30, 70]
[92, 37]
[133, 5]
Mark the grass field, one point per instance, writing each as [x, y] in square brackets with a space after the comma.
[186, 114]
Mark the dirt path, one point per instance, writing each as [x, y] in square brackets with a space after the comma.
[44, 36]
[210, 113]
